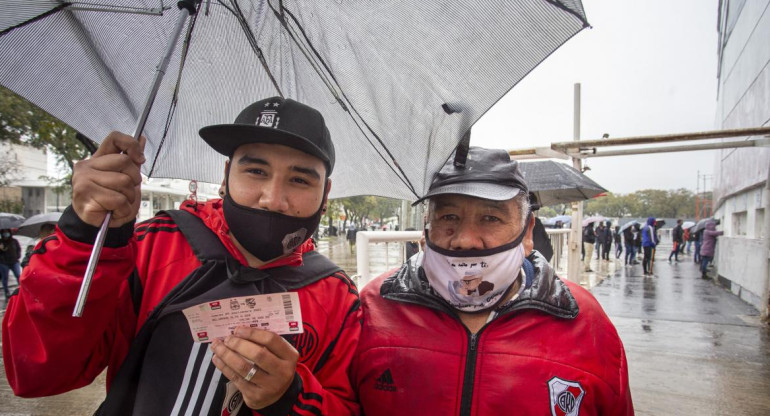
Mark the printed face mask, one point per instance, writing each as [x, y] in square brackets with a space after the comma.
[265, 234]
[6, 235]
[473, 280]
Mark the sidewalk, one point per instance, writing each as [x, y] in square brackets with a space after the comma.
[692, 346]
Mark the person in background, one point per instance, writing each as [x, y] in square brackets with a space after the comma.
[638, 239]
[350, 235]
[677, 238]
[698, 238]
[708, 246]
[10, 253]
[688, 242]
[629, 240]
[465, 327]
[618, 246]
[649, 242]
[607, 241]
[589, 239]
[540, 237]
[601, 236]
[45, 230]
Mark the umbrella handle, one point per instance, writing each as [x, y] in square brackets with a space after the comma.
[186, 8]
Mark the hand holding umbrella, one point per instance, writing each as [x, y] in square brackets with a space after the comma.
[109, 181]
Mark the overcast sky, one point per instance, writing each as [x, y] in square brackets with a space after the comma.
[645, 68]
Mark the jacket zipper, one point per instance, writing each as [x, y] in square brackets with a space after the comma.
[466, 399]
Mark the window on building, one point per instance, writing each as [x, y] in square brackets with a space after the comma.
[740, 223]
[759, 224]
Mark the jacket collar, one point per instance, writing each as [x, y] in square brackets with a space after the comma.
[544, 291]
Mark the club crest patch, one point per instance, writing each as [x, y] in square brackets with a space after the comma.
[268, 119]
[565, 397]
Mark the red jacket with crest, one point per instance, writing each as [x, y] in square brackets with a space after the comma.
[46, 351]
[551, 351]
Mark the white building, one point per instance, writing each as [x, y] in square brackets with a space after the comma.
[39, 196]
[742, 176]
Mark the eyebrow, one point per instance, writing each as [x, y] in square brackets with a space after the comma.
[249, 160]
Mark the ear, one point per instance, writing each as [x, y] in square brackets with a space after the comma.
[224, 179]
[528, 242]
[325, 200]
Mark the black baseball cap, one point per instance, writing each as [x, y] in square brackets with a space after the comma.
[275, 120]
[486, 174]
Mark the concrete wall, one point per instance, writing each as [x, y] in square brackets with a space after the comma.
[740, 175]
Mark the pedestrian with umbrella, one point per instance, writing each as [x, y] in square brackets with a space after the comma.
[629, 241]
[10, 253]
[649, 242]
[38, 227]
[254, 241]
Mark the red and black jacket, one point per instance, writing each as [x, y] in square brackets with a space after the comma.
[46, 351]
[551, 351]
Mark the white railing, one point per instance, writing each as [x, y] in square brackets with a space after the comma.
[363, 238]
[559, 238]
[394, 257]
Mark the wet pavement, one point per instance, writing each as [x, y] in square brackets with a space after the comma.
[692, 346]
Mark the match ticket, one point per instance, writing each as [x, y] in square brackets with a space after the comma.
[276, 312]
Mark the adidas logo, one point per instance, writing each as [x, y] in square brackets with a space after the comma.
[385, 382]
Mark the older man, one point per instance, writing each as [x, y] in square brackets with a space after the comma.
[530, 344]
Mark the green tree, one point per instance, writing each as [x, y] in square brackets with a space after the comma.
[24, 123]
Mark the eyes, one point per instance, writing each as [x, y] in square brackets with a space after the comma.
[296, 178]
[454, 218]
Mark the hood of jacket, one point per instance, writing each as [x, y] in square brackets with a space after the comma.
[711, 225]
[651, 221]
[543, 290]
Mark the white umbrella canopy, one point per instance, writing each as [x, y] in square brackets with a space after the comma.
[8, 220]
[399, 82]
[687, 224]
[595, 218]
[31, 226]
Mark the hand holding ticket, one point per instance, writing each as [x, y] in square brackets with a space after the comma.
[277, 312]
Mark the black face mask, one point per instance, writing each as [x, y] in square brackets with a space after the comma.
[266, 234]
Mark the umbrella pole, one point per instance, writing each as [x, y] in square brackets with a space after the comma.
[186, 9]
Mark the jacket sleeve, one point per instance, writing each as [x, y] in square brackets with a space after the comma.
[624, 405]
[328, 390]
[46, 350]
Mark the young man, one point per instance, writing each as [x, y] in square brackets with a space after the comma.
[531, 344]
[254, 241]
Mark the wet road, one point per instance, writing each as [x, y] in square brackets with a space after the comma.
[692, 346]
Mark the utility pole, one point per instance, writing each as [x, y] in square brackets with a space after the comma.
[575, 236]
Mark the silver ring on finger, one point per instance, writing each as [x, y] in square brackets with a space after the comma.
[251, 373]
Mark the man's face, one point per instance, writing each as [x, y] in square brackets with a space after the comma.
[459, 222]
[277, 178]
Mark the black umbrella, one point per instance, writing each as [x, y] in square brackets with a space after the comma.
[557, 183]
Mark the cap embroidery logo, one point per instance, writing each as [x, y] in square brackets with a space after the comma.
[565, 397]
[268, 118]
